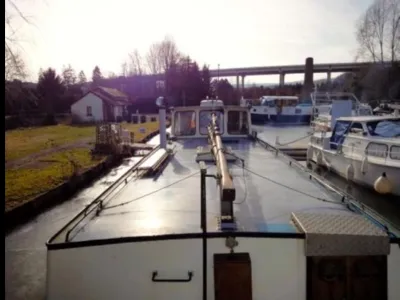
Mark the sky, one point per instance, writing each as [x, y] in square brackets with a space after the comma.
[231, 33]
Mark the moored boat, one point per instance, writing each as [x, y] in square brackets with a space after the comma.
[213, 214]
[281, 110]
[362, 149]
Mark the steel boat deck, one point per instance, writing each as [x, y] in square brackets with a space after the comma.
[159, 209]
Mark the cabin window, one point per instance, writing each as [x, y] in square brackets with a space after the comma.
[395, 152]
[238, 122]
[338, 134]
[184, 123]
[153, 119]
[89, 111]
[377, 150]
[205, 119]
[142, 119]
[135, 119]
[356, 128]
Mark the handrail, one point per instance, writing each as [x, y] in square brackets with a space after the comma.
[155, 273]
[98, 201]
[227, 189]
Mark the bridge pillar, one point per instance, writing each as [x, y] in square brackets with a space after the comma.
[308, 79]
[329, 80]
[281, 79]
[237, 83]
[242, 92]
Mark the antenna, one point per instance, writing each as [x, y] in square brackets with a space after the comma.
[217, 81]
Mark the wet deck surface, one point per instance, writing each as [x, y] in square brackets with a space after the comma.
[157, 208]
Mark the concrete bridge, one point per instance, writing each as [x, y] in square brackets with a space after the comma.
[328, 68]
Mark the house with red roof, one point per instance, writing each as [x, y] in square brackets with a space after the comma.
[100, 104]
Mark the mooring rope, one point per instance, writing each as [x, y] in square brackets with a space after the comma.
[296, 140]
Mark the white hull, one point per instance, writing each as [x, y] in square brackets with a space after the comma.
[365, 173]
[124, 270]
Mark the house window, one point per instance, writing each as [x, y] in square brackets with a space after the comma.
[88, 111]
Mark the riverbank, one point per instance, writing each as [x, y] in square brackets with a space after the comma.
[52, 174]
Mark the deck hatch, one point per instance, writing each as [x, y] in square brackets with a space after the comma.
[341, 235]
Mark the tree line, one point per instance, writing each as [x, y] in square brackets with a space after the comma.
[185, 82]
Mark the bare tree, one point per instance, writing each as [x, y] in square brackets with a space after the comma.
[136, 65]
[378, 32]
[68, 76]
[152, 59]
[112, 75]
[124, 69]
[15, 67]
[82, 77]
[162, 55]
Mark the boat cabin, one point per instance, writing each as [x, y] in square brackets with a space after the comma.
[193, 121]
[367, 133]
[373, 127]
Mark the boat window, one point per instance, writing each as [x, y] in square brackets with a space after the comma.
[384, 128]
[377, 150]
[238, 122]
[339, 132]
[268, 102]
[185, 123]
[205, 119]
[395, 152]
[356, 128]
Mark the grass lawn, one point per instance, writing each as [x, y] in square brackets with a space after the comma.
[47, 171]
[26, 141]
[23, 184]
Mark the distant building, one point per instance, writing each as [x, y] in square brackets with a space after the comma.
[100, 105]
[138, 86]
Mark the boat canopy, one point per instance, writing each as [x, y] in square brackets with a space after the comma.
[384, 128]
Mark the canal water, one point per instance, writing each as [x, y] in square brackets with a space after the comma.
[25, 251]
[386, 206]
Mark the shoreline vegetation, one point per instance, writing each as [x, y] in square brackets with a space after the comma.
[39, 159]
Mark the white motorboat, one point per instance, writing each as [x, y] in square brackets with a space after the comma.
[362, 149]
[212, 213]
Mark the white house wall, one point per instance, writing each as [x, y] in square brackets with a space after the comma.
[78, 109]
[118, 111]
[123, 271]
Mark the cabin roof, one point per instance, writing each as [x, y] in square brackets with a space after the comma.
[367, 118]
[270, 98]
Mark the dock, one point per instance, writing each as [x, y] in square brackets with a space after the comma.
[296, 149]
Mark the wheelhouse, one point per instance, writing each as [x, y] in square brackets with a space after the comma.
[192, 121]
